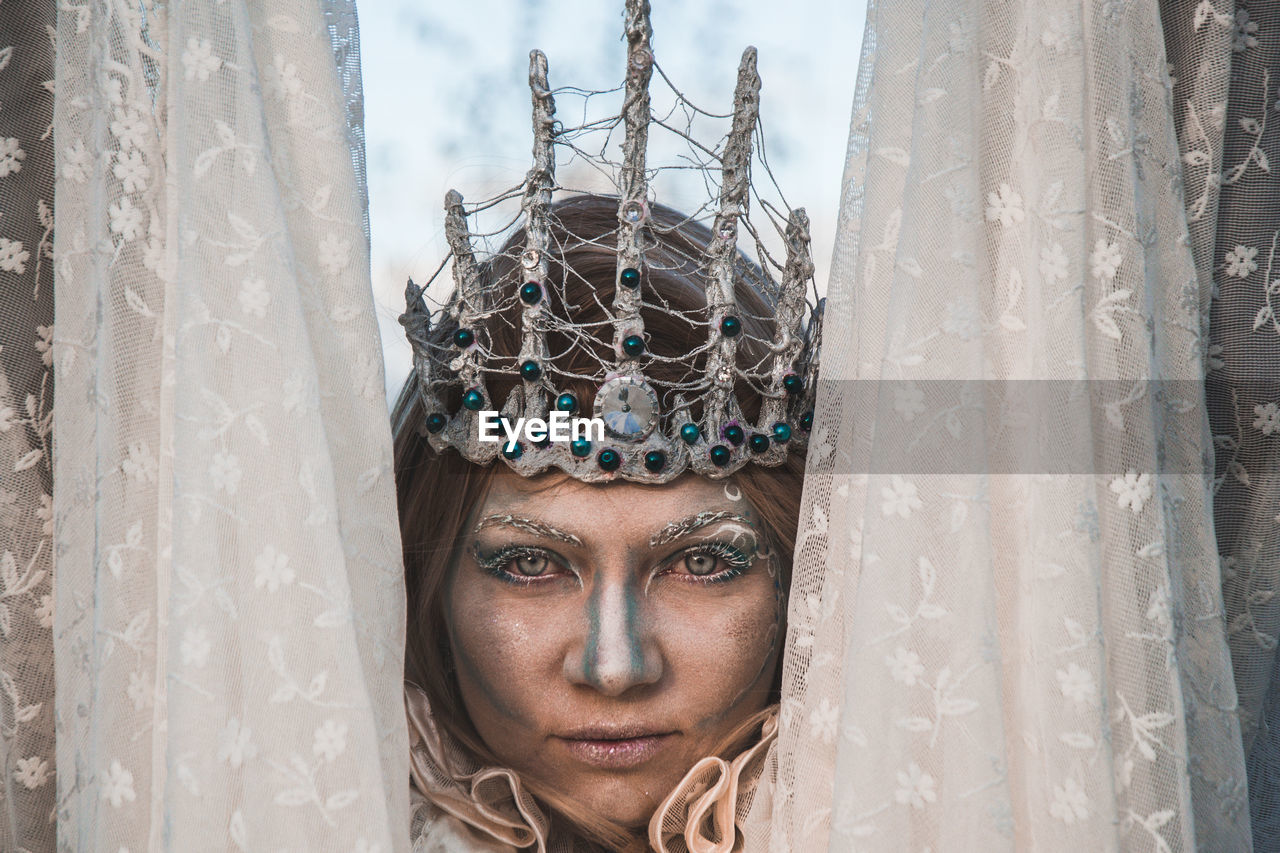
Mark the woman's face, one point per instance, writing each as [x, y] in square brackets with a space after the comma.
[607, 637]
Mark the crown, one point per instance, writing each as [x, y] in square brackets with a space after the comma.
[631, 433]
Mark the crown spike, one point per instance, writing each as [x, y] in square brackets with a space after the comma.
[633, 208]
[635, 108]
[810, 362]
[544, 112]
[417, 328]
[533, 261]
[735, 165]
[735, 185]
[417, 317]
[465, 304]
[786, 341]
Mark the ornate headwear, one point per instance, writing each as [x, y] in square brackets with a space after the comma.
[645, 439]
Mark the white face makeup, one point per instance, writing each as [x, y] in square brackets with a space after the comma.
[608, 637]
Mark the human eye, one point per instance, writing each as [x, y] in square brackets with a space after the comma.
[708, 562]
[521, 564]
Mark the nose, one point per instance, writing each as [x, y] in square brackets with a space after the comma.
[618, 651]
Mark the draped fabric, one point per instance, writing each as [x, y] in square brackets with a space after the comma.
[28, 788]
[229, 608]
[1230, 139]
[1007, 629]
[1011, 626]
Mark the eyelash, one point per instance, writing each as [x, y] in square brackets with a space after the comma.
[496, 563]
[738, 562]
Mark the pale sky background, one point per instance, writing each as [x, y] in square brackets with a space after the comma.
[447, 105]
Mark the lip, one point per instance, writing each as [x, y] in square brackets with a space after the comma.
[616, 749]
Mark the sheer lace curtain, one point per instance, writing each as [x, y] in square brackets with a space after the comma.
[229, 606]
[1007, 629]
[1232, 140]
[28, 788]
[1009, 625]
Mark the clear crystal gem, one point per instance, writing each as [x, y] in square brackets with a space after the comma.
[628, 406]
[728, 230]
[724, 375]
[529, 260]
[633, 211]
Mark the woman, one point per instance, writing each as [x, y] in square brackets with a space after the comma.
[575, 649]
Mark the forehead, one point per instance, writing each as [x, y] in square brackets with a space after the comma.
[607, 509]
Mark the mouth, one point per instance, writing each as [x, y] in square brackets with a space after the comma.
[616, 749]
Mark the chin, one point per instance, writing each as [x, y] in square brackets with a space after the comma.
[628, 800]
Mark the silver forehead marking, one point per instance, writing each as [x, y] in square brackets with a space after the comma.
[676, 529]
[732, 492]
[529, 525]
[771, 562]
[743, 536]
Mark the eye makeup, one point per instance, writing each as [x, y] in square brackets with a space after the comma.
[685, 526]
[736, 562]
[529, 525]
[495, 563]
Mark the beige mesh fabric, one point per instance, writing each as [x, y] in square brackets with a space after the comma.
[1006, 627]
[450, 782]
[229, 605]
[706, 812]
[28, 788]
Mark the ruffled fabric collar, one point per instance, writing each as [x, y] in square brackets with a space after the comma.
[700, 815]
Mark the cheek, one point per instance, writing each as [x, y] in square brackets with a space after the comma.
[503, 651]
[722, 647]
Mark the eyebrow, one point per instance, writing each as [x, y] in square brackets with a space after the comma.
[528, 525]
[676, 529]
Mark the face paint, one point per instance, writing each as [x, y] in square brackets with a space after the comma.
[596, 654]
[675, 529]
[527, 524]
[613, 658]
[743, 536]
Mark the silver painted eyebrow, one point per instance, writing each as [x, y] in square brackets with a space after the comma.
[529, 525]
[676, 529]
